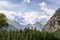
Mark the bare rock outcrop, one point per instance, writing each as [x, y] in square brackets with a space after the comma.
[54, 23]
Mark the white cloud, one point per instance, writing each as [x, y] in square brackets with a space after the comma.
[9, 14]
[42, 5]
[7, 4]
[30, 17]
[3, 3]
[45, 9]
[27, 1]
[48, 12]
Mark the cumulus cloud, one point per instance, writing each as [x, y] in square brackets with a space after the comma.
[9, 14]
[27, 1]
[42, 5]
[45, 9]
[6, 4]
[48, 12]
[30, 17]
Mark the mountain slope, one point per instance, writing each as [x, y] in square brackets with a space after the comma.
[13, 25]
[10, 26]
[37, 25]
[54, 23]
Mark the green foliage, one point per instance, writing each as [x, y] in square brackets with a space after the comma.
[3, 21]
[29, 34]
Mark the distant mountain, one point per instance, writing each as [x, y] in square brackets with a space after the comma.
[13, 25]
[10, 25]
[37, 25]
[54, 23]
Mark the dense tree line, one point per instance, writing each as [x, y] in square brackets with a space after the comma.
[3, 21]
[29, 34]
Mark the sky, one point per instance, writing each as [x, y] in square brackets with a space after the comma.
[29, 11]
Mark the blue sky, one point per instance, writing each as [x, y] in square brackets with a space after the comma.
[29, 11]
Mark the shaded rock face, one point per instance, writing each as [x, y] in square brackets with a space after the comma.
[54, 23]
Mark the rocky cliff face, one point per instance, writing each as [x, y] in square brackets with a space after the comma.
[54, 23]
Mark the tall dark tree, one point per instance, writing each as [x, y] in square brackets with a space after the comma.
[3, 21]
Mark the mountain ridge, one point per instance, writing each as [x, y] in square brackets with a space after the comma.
[54, 23]
[13, 25]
